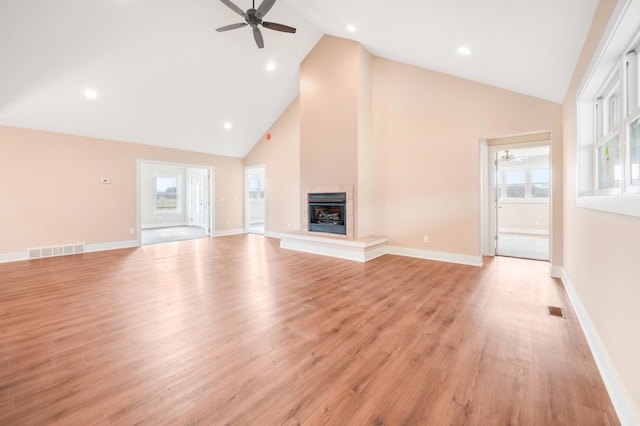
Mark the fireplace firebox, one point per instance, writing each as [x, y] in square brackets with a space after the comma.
[327, 212]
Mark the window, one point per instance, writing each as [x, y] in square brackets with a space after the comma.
[524, 184]
[608, 159]
[540, 183]
[634, 152]
[256, 188]
[167, 194]
[516, 183]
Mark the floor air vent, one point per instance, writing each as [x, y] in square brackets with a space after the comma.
[555, 311]
[37, 253]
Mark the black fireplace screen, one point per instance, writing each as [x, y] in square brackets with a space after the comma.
[327, 212]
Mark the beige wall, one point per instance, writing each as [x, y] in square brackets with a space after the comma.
[426, 130]
[414, 154]
[329, 114]
[601, 249]
[52, 194]
[366, 195]
[523, 217]
[281, 156]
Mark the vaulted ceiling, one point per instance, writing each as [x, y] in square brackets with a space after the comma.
[163, 76]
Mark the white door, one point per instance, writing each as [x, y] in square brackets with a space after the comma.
[198, 201]
[255, 200]
[521, 194]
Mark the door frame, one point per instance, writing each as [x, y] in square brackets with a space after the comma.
[204, 202]
[247, 174]
[210, 174]
[488, 224]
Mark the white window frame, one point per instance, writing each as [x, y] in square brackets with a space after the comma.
[528, 190]
[260, 189]
[178, 210]
[614, 72]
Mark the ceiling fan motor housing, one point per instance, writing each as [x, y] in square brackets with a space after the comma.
[253, 19]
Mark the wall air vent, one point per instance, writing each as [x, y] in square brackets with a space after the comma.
[40, 252]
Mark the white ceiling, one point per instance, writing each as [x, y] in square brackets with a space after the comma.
[165, 77]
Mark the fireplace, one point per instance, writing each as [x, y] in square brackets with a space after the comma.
[327, 212]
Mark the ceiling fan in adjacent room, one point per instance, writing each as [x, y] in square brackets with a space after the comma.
[253, 18]
[507, 156]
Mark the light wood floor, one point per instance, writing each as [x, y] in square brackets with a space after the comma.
[234, 330]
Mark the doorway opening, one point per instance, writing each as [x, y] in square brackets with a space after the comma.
[517, 200]
[255, 199]
[174, 202]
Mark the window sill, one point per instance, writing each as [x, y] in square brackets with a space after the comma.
[628, 205]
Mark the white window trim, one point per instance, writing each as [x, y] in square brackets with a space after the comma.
[528, 198]
[178, 210]
[621, 36]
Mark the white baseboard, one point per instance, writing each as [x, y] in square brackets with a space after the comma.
[436, 255]
[14, 257]
[228, 232]
[615, 389]
[163, 225]
[381, 251]
[525, 231]
[555, 271]
[114, 245]
[273, 234]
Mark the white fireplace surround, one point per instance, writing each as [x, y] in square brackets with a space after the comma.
[363, 248]
[335, 245]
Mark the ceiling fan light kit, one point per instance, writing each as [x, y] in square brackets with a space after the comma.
[253, 18]
[507, 156]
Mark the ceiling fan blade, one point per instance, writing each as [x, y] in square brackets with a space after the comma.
[231, 27]
[264, 7]
[278, 27]
[235, 8]
[258, 36]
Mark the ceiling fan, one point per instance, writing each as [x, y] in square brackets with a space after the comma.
[253, 18]
[507, 156]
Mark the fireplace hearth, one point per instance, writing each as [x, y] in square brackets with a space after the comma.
[327, 212]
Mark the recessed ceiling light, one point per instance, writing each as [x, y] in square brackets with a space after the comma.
[90, 94]
[227, 126]
[271, 66]
[464, 51]
[352, 28]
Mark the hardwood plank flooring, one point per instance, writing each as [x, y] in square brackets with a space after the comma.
[234, 330]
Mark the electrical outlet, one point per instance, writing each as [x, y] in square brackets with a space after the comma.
[425, 239]
[132, 231]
